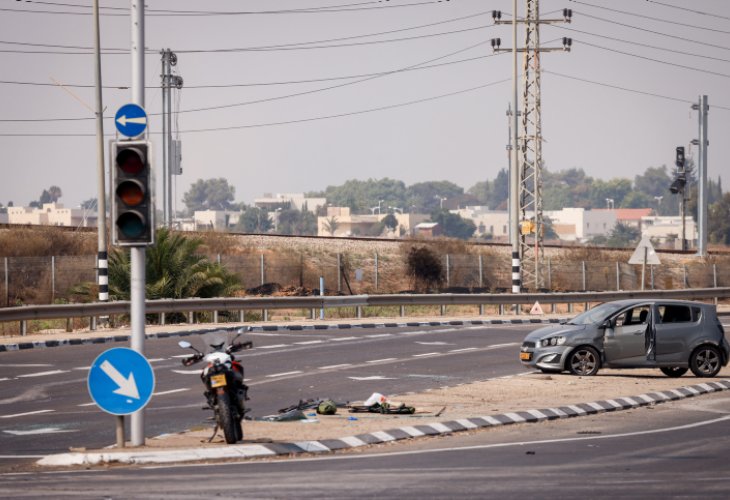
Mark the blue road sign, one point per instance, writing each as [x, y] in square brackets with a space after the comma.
[121, 381]
[131, 120]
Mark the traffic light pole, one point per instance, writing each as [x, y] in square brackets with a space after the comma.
[137, 278]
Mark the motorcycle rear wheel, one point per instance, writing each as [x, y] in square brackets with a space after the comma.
[227, 420]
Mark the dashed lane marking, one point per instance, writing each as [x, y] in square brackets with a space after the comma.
[43, 374]
[284, 374]
[26, 413]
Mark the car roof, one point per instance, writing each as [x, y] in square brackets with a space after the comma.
[630, 302]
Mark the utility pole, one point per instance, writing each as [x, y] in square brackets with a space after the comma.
[137, 253]
[170, 148]
[102, 259]
[702, 200]
[526, 218]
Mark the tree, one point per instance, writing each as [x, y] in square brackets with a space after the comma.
[424, 268]
[330, 225]
[361, 196]
[453, 225]
[623, 236]
[89, 204]
[254, 220]
[426, 196]
[718, 221]
[211, 194]
[390, 221]
[295, 222]
[173, 269]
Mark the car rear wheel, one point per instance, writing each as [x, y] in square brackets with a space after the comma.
[705, 361]
[584, 361]
[673, 371]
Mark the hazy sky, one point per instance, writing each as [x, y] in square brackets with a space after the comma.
[618, 103]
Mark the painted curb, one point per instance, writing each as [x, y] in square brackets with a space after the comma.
[378, 437]
[21, 346]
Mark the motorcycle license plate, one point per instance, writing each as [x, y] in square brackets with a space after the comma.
[525, 356]
[218, 380]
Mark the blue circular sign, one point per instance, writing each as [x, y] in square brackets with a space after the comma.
[121, 381]
[131, 120]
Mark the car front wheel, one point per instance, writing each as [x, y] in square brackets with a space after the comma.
[673, 371]
[584, 361]
[705, 361]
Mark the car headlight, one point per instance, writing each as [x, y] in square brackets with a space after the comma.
[552, 341]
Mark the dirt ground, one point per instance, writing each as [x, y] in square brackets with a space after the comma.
[489, 397]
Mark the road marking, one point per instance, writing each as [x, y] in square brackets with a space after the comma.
[283, 374]
[45, 430]
[309, 342]
[464, 349]
[372, 377]
[87, 404]
[188, 372]
[381, 360]
[23, 365]
[378, 335]
[43, 374]
[334, 366]
[169, 392]
[340, 339]
[155, 360]
[274, 346]
[27, 413]
[432, 343]
[426, 354]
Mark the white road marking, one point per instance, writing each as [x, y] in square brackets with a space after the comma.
[378, 335]
[381, 360]
[188, 372]
[82, 368]
[464, 349]
[45, 430]
[340, 339]
[43, 374]
[426, 354]
[23, 365]
[334, 366]
[373, 377]
[309, 342]
[273, 346]
[27, 413]
[283, 374]
[432, 343]
[87, 404]
[155, 360]
[170, 392]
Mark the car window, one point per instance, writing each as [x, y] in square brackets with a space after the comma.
[671, 313]
[696, 314]
[596, 315]
[634, 316]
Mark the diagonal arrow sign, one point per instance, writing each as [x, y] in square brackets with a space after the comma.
[127, 386]
[123, 120]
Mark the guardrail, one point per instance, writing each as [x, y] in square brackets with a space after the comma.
[94, 310]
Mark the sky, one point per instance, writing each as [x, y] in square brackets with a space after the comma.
[284, 96]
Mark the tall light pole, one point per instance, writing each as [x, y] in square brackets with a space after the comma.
[658, 203]
[609, 203]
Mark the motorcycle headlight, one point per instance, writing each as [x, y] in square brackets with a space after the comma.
[552, 341]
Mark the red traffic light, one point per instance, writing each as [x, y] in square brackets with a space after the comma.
[131, 161]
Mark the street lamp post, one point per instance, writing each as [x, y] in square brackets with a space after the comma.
[658, 203]
[609, 203]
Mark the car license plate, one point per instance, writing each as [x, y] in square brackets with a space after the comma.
[218, 380]
[525, 356]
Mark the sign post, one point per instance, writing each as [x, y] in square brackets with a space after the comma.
[121, 382]
[644, 254]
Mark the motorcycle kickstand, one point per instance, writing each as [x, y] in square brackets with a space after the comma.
[215, 431]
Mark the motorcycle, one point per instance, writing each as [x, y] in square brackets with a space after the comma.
[225, 392]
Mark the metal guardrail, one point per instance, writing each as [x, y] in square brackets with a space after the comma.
[23, 314]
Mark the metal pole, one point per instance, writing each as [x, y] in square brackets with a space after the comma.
[481, 271]
[376, 271]
[263, 276]
[53, 279]
[137, 291]
[514, 177]
[321, 294]
[102, 276]
[618, 277]
[170, 161]
[7, 284]
[165, 90]
[339, 273]
[702, 189]
[448, 271]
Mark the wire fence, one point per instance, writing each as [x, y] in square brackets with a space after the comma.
[48, 280]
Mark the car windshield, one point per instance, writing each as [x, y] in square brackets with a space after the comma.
[597, 314]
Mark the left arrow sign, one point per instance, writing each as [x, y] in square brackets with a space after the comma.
[127, 385]
[123, 120]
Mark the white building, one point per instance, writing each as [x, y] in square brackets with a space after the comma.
[215, 220]
[289, 201]
[52, 214]
[668, 228]
[340, 222]
[488, 222]
[580, 224]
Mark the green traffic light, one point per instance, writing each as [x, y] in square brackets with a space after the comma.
[131, 224]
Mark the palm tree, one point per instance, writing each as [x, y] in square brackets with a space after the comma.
[174, 269]
[330, 225]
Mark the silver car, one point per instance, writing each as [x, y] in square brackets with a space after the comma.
[672, 335]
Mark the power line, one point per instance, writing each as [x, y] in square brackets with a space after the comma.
[676, 23]
[691, 68]
[702, 13]
[361, 6]
[312, 42]
[656, 47]
[583, 14]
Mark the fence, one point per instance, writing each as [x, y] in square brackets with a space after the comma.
[46, 280]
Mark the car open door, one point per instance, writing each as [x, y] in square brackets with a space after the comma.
[650, 335]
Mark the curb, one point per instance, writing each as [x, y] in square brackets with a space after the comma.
[21, 346]
[378, 437]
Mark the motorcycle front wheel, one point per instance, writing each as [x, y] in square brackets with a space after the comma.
[227, 420]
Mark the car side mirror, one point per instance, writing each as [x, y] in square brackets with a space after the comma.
[606, 324]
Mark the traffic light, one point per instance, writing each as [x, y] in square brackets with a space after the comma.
[680, 180]
[132, 201]
[679, 161]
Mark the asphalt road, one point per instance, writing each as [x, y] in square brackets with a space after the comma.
[674, 450]
[45, 407]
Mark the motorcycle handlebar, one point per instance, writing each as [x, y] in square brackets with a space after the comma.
[192, 359]
[240, 346]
